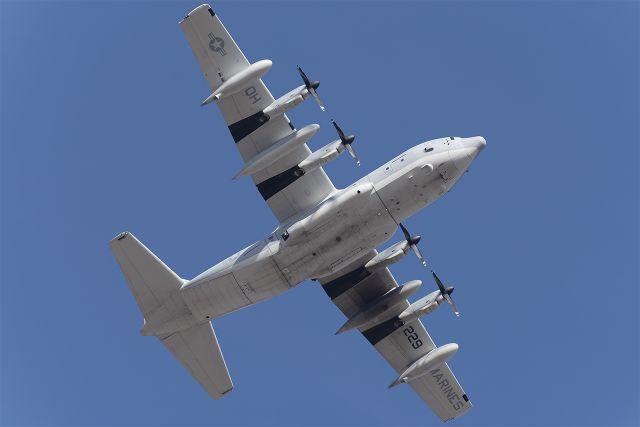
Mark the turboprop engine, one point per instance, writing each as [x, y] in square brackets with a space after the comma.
[287, 101]
[424, 305]
[396, 252]
[426, 363]
[291, 99]
[428, 304]
[330, 151]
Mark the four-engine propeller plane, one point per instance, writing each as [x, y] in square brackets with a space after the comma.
[326, 234]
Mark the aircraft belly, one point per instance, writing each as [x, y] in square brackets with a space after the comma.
[248, 277]
[261, 280]
[215, 297]
[337, 240]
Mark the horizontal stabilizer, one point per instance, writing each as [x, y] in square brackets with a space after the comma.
[198, 351]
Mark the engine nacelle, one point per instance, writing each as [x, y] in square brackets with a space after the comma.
[426, 363]
[389, 256]
[238, 81]
[287, 101]
[278, 107]
[424, 305]
[322, 156]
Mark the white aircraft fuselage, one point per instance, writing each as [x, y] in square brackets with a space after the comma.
[345, 226]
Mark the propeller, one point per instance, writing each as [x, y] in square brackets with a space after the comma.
[346, 141]
[413, 242]
[446, 293]
[311, 87]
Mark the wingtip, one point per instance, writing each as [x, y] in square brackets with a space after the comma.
[119, 236]
[395, 383]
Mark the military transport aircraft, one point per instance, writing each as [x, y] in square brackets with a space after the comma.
[324, 234]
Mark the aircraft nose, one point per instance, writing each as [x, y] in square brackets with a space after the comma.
[477, 142]
[465, 154]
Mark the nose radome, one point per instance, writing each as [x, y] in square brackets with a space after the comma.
[472, 147]
[477, 142]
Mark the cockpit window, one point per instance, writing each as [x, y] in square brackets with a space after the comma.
[427, 149]
[452, 137]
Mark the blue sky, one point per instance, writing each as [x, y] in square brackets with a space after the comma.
[101, 131]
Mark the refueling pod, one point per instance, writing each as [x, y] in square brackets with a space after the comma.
[426, 363]
[382, 308]
[238, 81]
[278, 150]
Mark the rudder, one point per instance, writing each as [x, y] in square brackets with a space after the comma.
[149, 279]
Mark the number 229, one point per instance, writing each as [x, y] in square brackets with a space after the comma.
[412, 336]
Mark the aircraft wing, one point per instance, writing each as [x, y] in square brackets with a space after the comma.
[399, 343]
[285, 190]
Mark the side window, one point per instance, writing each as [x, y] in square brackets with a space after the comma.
[428, 149]
[398, 162]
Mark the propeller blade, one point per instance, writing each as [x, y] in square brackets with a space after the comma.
[311, 87]
[413, 243]
[353, 153]
[405, 232]
[443, 290]
[419, 255]
[317, 98]
[346, 140]
[445, 294]
[340, 133]
[305, 79]
[452, 304]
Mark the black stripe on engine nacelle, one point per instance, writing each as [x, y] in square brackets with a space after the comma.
[272, 186]
[248, 125]
[342, 284]
[383, 330]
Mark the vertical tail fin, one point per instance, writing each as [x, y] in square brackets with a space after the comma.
[156, 289]
[149, 279]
